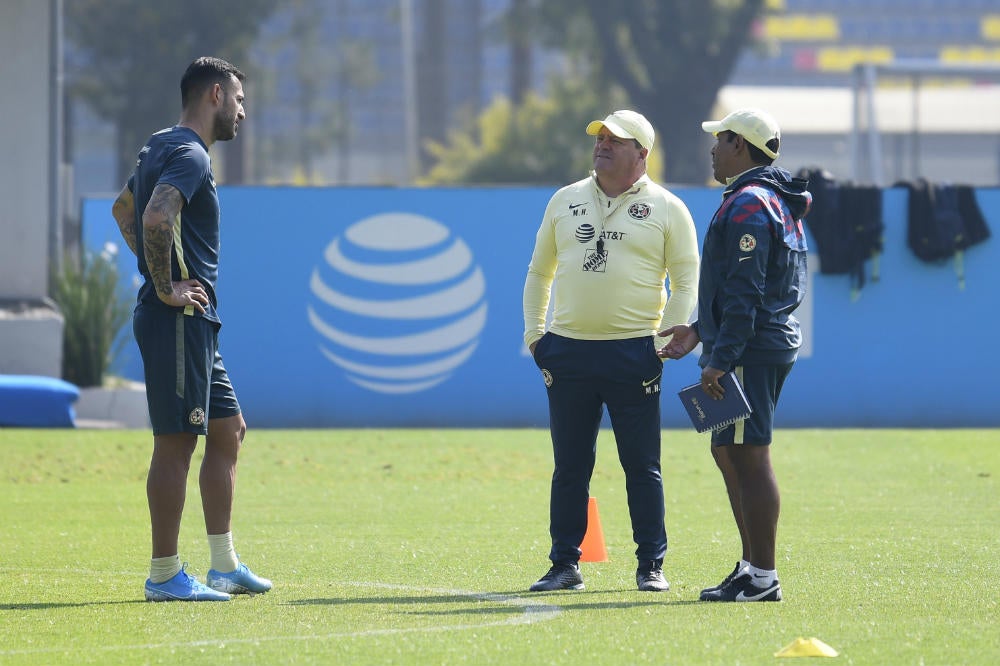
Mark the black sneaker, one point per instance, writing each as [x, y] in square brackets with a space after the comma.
[649, 576]
[726, 581]
[562, 576]
[742, 588]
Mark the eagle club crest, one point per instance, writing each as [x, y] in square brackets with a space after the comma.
[197, 416]
[639, 211]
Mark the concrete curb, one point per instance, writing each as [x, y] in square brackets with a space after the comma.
[119, 407]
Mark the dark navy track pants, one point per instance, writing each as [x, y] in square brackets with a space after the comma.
[581, 377]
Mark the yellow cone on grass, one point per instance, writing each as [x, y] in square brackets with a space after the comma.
[806, 647]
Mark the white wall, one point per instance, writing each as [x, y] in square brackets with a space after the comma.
[31, 332]
[24, 134]
[949, 132]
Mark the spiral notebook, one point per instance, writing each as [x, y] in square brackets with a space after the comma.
[709, 414]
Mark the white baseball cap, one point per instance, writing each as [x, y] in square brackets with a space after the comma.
[626, 125]
[754, 125]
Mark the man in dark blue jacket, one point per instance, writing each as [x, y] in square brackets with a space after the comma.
[753, 277]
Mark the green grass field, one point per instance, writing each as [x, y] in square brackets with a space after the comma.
[417, 547]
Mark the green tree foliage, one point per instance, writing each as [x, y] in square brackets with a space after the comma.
[134, 54]
[670, 57]
[664, 58]
[540, 141]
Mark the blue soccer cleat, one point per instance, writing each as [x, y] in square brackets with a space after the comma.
[182, 587]
[240, 581]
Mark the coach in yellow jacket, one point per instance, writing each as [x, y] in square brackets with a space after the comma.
[610, 243]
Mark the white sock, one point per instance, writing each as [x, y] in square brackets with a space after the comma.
[743, 565]
[162, 569]
[763, 577]
[223, 555]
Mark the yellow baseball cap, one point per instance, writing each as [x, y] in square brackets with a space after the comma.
[754, 125]
[626, 125]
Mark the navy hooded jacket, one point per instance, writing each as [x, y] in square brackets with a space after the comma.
[753, 272]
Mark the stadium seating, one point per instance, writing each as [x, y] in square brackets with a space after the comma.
[817, 42]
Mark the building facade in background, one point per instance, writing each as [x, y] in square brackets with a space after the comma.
[348, 92]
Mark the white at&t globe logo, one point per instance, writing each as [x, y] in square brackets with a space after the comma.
[399, 303]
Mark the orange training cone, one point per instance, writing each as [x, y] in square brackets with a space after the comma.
[593, 541]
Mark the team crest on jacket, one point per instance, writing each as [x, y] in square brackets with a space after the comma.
[748, 243]
[639, 211]
[547, 378]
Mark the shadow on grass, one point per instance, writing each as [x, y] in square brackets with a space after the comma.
[617, 605]
[50, 605]
[525, 600]
[339, 601]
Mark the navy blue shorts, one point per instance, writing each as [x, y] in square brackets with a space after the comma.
[186, 383]
[762, 384]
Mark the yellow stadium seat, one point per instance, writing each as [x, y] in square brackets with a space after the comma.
[832, 59]
[969, 55]
[989, 27]
[802, 27]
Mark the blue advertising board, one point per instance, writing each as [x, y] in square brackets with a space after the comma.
[389, 307]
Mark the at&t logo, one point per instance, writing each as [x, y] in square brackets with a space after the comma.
[399, 303]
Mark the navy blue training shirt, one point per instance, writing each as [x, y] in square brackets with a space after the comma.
[177, 156]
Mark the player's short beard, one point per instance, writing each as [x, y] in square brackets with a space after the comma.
[225, 126]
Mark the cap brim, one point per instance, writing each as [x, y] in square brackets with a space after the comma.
[712, 126]
[594, 128]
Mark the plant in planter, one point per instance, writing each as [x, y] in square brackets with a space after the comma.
[94, 312]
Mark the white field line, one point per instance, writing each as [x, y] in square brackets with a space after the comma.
[532, 611]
